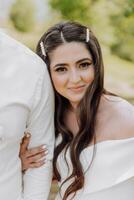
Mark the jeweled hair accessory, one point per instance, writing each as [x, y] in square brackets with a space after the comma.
[87, 35]
[42, 48]
[62, 37]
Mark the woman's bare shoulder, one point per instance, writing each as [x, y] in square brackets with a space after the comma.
[119, 104]
[122, 115]
[123, 107]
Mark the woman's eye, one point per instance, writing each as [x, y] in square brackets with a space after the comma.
[61, 69]
[85, 65]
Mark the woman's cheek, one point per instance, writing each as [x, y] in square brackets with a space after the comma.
[89, 76]
[59, 82]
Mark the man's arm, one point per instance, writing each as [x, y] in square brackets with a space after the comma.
[37, 181]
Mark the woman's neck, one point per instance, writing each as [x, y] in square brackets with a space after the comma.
[73, 106]
[71, 120]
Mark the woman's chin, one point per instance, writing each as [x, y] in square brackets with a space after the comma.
[75, 102]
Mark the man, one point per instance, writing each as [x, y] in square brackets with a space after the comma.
[26, 105]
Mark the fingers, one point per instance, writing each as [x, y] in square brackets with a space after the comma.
[33, 165]
[37, 157]
[37, 164]
[36, 150]
[25, 142]
[33, 161]
[34, 157]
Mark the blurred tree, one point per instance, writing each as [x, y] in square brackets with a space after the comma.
[129, 9]
[100, 12]
[111, 20]
[122, 20]
[22, 15]
[73, 10]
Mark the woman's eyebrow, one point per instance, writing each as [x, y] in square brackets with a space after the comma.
[60, 64]
[83, 59]
[65, 64]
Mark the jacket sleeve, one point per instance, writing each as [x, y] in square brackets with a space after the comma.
[37, 181]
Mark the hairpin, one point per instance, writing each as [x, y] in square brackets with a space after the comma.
[87, 35]
[42, 48]
[62, 37]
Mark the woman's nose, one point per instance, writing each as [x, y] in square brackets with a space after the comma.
[75, 76]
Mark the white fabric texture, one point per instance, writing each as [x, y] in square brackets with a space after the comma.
[111, 175]
[26, 104]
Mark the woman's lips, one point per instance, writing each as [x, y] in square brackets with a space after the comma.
[77, 88]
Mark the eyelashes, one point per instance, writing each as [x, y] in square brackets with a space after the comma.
[61, 69]
[83, 65]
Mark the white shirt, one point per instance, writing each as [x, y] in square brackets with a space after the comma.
[111, 174]
[26, 104]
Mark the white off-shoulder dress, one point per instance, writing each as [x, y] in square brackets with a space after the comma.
[111, 175]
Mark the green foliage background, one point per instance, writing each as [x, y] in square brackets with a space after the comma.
[72, 10]
[22, 15]
[112, 20]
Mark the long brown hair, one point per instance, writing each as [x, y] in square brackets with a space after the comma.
[87, 109]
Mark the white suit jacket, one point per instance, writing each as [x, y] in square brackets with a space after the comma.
[26, 104]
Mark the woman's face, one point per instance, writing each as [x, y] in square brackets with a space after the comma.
[72, 70]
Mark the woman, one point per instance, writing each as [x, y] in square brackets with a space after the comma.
[93, 156]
